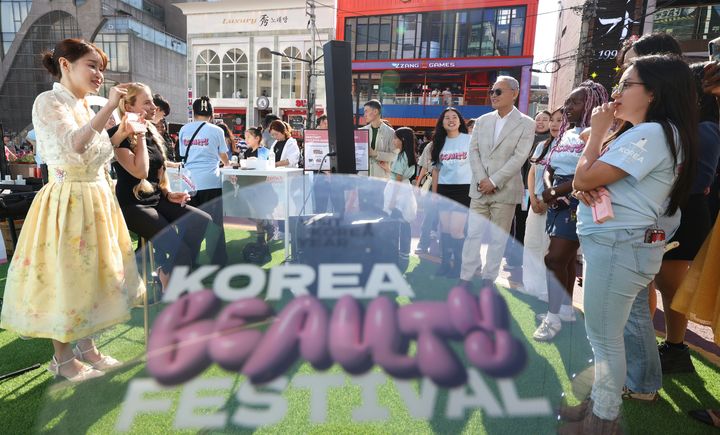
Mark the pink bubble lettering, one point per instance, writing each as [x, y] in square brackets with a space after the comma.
[187, 337]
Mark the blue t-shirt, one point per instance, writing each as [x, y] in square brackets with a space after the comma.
[708, 155]
[454, 165]
[400, 167]
[639, 199]
[539, 167]
[203, 160]
[564, 157]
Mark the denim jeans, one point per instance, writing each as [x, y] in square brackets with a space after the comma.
[618, 267]
[644, 373]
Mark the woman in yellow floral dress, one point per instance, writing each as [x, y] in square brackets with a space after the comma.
[73, 273]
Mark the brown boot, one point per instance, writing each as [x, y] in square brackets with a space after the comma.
[575, 413]
[591, 425]
[594, 425]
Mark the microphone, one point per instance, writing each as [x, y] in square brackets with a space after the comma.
[332, 154]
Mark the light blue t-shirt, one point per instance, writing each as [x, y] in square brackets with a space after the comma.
[639, 199]
[564, 157]
[203, 160]
[539, 167]
[400, 167]
[454, 162]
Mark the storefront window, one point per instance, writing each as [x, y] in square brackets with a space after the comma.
[679, 22]
[234, 74]
[447, 34]
[487, 46]
[291, 76]
[12, 16]
[117, 47]
[264, 73]
[207, 74]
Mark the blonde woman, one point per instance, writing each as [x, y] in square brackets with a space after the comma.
[142, 186]
[73, 273]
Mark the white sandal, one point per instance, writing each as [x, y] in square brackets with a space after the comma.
[83, 375]
[105, 363]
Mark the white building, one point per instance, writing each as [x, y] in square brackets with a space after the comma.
[231, 60]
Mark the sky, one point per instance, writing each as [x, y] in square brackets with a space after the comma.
[545, 39]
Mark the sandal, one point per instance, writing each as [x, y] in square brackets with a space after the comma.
[104, 363]
[83, 375]
[628, 394]
[708, 416]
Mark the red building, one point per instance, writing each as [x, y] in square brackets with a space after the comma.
[419, 56]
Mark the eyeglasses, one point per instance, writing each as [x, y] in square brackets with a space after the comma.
[620, 87]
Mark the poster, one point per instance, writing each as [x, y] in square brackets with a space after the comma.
[362, 143]
[317, 146]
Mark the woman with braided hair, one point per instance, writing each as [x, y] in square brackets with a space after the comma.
[561, 216]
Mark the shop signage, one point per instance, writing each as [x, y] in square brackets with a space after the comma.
[254, 21]
[432, 64]
[616, 22]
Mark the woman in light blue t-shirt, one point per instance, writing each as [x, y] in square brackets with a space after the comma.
[207, 149]
[536, 240]
[401, 204]
[640, 168]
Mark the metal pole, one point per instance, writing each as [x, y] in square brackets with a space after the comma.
[310, 119]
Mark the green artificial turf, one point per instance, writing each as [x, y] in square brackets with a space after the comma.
[34, 402]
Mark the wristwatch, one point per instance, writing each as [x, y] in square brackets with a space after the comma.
[553, 193]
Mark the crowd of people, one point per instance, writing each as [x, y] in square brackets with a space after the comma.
[613, 178]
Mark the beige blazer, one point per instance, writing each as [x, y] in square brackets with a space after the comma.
[501, 160]
[384, 148]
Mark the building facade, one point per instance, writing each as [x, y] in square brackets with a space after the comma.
[134, 33]
[419, 56]
[590, 34]
[253, 58]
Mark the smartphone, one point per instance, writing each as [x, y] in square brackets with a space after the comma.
[714, 50]
[654, 235]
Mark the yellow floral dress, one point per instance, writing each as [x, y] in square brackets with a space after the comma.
[699, 294]
[73, 272]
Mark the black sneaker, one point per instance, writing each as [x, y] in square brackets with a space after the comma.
[674, 359]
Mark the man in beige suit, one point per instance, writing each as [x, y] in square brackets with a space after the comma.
[500, 144]
[381, 140]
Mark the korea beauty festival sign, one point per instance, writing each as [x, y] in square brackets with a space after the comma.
[342, 336]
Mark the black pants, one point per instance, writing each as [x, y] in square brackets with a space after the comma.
[514, 250]
[327, 194]
[172, 246]
[210, 200]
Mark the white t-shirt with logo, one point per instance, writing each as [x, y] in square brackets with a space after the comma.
[454, 162]
[204, 159]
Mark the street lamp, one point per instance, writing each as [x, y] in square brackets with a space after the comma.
[309, 121]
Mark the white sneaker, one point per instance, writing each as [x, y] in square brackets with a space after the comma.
[546, 331]
[566, 314]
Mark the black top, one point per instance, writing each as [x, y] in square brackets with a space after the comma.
[251, 153]
[278, 149]
[126, 181]
[539, 137]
